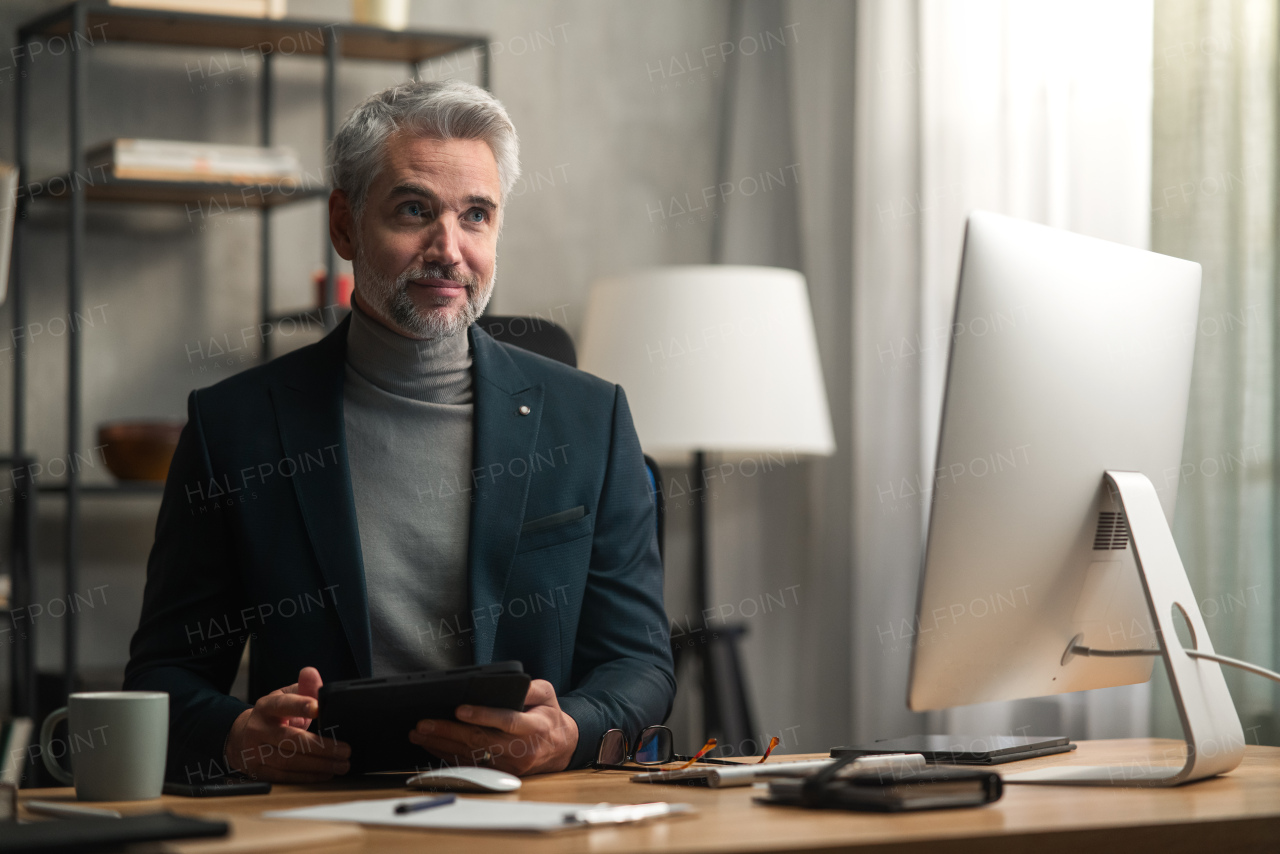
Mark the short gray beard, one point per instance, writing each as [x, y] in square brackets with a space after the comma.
[390, 297]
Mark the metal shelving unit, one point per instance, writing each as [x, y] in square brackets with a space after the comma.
[76, 22]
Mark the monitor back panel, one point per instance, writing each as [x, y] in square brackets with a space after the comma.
[1070, 356]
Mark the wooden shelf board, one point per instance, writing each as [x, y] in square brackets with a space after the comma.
[311, 315]
[213, 197]
[122, 487]
[286, 36]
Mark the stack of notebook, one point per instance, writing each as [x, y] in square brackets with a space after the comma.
[174, 160]
[15, 738]
[241, 8]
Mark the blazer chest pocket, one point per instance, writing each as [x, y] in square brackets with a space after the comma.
[554, 529]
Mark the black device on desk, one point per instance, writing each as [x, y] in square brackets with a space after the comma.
[104, 834]
[375, 716]
[219, 787]
[964, 749]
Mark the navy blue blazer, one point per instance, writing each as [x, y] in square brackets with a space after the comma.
[257, 537]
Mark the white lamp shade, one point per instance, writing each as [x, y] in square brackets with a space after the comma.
[712, 358]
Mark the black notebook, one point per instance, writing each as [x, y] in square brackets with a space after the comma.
[94, 834]
[890, 790]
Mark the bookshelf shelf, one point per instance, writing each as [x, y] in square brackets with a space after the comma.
[123, 487]
[309, 316]
[196, 196]
[286, 37]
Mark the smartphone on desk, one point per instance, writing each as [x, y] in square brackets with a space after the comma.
[219, 787]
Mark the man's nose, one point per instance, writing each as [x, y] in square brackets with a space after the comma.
[443, 246]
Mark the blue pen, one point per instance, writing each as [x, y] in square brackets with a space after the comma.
[415, 806]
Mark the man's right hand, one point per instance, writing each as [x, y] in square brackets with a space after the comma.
[271, 742]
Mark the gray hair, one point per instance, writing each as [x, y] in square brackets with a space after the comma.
[444, 109]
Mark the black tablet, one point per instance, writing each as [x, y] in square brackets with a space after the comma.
[964, 749]
[375, 716]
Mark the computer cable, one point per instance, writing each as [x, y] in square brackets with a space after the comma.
[1090, 652]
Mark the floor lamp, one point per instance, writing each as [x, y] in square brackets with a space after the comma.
[713, 358]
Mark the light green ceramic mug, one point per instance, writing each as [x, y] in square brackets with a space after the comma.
[116, 743]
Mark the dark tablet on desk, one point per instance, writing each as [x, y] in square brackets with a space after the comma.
[375, 716]
[964, 749]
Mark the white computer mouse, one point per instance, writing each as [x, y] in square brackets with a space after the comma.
[465, 778]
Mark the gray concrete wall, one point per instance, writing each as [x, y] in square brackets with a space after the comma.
[610, 127]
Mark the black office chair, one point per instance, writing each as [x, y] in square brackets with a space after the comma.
[725, 693]
[534, 334]
[546, 338]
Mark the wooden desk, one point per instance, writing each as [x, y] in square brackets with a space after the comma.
[1236, 812]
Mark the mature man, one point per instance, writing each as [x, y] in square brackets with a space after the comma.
[406, 494]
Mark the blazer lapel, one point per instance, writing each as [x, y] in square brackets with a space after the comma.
[308, 407]
[503, 436]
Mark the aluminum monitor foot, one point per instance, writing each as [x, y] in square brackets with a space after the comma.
[1210, 725]
[1100, 775]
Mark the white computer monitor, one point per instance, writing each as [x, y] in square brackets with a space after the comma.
[1070, 357]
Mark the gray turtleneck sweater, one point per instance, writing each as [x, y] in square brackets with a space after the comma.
[408, 407]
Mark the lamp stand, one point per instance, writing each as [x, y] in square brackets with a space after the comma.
[726, 710]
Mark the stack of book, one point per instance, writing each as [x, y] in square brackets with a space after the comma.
[8, 209]
[243, 8]
[15, 738]
[200, 162]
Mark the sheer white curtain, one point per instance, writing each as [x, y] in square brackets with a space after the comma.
[1040, 110]
[1214, 201]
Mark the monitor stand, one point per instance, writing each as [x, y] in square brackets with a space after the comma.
[1210, 725]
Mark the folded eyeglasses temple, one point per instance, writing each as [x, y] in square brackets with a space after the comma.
[700, 756]
[706, 748]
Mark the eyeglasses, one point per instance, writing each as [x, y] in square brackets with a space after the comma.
[655, 746]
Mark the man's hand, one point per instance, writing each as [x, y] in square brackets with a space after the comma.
[271, 742]
[541, 738]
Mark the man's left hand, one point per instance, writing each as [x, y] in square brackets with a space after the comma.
[542, 738]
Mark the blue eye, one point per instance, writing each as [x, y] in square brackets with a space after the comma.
[477, 213]
[413, 209]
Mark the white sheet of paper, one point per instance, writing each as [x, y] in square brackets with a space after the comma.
[462, 814]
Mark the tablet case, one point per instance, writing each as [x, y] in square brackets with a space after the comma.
[375, 716]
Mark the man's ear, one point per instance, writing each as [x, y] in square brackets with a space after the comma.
[342, 225]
